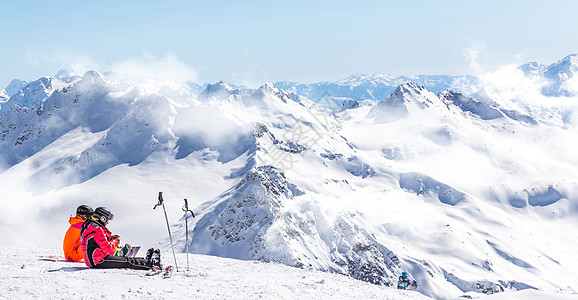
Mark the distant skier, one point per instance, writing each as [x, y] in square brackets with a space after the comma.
[99, 245]
[406, 282]
[71, 244]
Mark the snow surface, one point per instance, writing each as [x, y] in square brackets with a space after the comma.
[33, 274]
[473, 194]
[42, 273]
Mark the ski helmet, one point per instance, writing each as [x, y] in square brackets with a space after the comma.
[403, 274]
[103, 214]
[84, 210]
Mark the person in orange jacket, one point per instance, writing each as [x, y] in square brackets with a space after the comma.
[71, 245]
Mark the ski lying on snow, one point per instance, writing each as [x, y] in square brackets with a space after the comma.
[167, 272]
[53, 258]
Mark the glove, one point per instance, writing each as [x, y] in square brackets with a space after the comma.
[115, 237]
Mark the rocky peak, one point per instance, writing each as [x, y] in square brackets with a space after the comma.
[258, 219]
[411, 88]
[564, 69]
[533, 69]
[271, 179]
[95, 78]
[15, 86]
[32, 95]
[218, 90]
[271, 90]
[67, 75]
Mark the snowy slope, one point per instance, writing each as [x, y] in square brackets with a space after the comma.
[473, 175]
[465, 193]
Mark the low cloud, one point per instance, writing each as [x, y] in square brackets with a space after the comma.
[61, 58]
[512, 89]
[147, 66]
[211, 126]
[210, 123]
[141, 68]
[510, 83]
[472, 56]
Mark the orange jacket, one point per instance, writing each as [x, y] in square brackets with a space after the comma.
[71, 245]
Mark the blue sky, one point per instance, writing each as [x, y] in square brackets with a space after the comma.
[252, 42]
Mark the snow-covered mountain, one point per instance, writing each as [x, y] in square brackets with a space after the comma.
[467, 195]
[3, 97]
[558, 80]
[32, 94]
[14, 87]
[559, 76]
[67, 75]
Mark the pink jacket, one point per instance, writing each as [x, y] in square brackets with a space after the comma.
[96, 242]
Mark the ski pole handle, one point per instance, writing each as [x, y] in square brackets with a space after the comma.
[160, 200]
[186, 208]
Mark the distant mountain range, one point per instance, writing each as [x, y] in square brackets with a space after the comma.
[375, 87]
[558, 80]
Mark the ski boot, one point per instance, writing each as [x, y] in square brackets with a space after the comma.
[153, 258]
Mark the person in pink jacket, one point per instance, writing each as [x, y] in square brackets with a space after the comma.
[98, 245]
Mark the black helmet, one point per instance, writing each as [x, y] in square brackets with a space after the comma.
[103, 214]
[84, 210]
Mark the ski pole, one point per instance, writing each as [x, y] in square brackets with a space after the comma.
[186, 210]
[161, 202]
